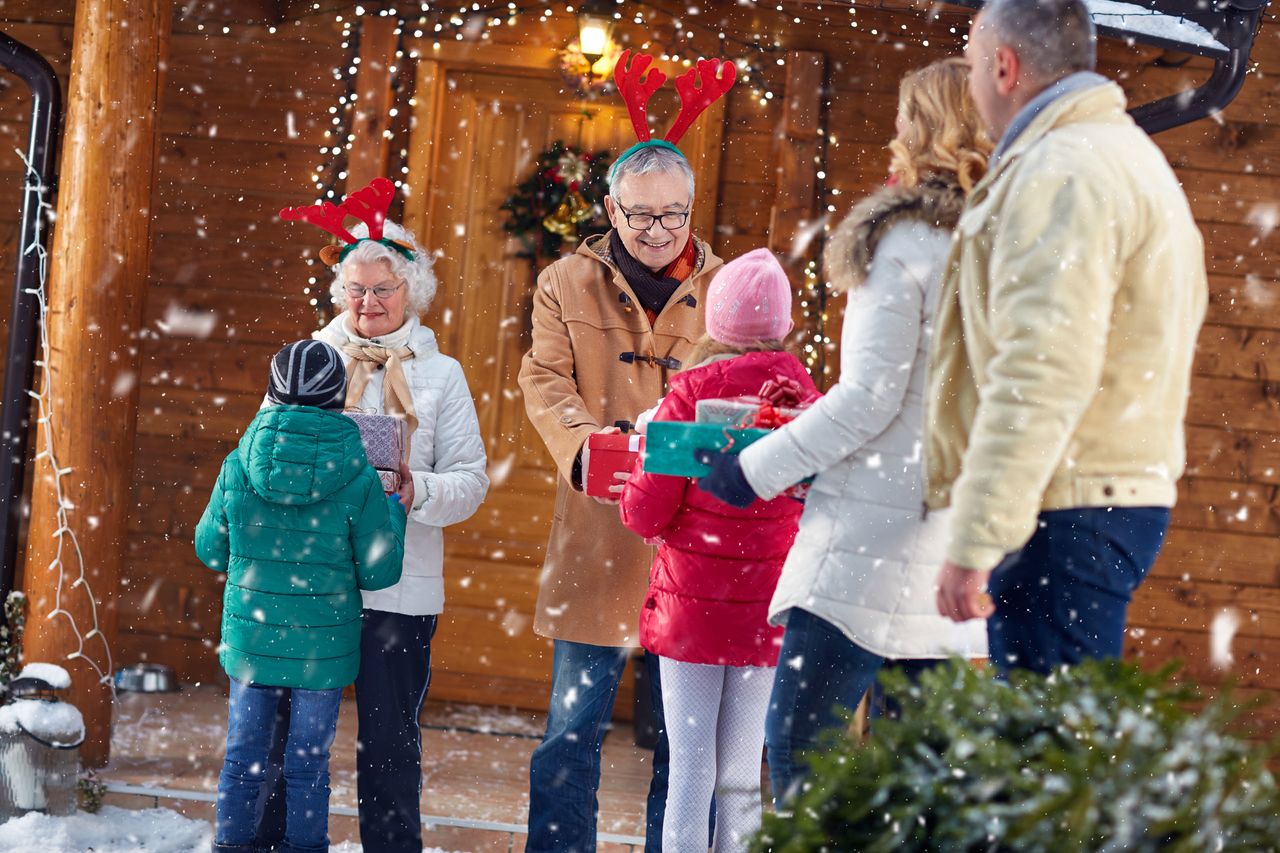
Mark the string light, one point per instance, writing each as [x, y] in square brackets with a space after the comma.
[64, 534]
[691, 37]
[468, 23]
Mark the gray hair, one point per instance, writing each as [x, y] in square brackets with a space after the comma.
[417, 274]
[647, 161]
[1053, 38]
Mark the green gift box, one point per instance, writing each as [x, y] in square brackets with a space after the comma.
[669, 445]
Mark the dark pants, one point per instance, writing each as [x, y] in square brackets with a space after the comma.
[884, 706]
[395, 670]
[270, 814]
[1064, 596]
[564, 772]
[821, 673]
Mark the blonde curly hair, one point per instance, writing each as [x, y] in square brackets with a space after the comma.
[942, 130]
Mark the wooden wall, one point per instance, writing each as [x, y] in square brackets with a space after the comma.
[242, 117]
[242, 122]
[232, 156]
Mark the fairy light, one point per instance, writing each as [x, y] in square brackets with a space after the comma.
[64, 534]
[476, 21]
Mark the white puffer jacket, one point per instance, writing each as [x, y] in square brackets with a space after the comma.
[867, 555]
[447, 460]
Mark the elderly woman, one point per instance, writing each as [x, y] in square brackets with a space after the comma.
[394, 367]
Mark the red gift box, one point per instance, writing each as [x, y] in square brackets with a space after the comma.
[607, 454]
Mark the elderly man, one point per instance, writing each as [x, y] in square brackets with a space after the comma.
[1062, 356]
[611, 323]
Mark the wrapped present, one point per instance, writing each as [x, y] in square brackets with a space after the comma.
[607, 454]
[386, 443]
[743, 411]
[390, 480]
[670, 445]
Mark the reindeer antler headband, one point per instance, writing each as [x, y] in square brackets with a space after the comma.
[369, 205]
[699, 88]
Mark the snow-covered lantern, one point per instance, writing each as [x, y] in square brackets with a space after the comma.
[40, 738]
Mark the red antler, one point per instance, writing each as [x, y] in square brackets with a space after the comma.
[693, 100]
[635, 91]
[370, 204]
[327, 216]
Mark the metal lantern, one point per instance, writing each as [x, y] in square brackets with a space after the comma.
[40, 739]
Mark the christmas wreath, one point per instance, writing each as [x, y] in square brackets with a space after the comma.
[562, 199]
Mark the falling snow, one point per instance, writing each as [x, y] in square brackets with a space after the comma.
[1222, 632]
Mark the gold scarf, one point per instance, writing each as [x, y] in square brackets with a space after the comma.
[396, 399]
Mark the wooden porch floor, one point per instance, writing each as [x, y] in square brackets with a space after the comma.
[475, 768]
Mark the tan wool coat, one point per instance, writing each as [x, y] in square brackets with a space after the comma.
[585, 316]
[1061, 359]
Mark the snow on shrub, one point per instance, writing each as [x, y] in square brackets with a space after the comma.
[1097, 757]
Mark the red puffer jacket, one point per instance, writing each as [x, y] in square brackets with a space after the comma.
[717, 565]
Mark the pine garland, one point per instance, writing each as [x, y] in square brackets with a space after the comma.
[541, 194]
[15, 622]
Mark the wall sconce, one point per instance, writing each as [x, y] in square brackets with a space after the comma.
[594, 31]
[587, 64]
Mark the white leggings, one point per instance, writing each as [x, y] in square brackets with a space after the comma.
[715, 726]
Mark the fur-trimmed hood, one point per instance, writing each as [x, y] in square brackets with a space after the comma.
[936, 201]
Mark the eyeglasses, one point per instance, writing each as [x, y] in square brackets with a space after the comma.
[644, 221]
[382, 291]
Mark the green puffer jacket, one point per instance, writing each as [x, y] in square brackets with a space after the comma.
[299, 522]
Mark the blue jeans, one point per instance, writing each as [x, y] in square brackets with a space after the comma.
[313, 721]
[564, 772]
[395, 671]
[884, 706]
[1064, 596]
[820, 673]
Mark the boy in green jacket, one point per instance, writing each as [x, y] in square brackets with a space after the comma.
[300, 524]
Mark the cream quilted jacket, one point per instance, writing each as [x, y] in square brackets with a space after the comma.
[1060, 366]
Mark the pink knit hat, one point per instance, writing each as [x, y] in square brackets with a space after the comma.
[749, 300]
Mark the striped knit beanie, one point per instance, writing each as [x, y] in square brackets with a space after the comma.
[308, 373]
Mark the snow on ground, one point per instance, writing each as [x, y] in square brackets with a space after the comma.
[112, 830]
[117, 830]
[1140, 19]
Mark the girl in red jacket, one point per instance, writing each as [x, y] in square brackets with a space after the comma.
[706, 612]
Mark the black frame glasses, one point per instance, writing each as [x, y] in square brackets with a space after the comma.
[668, 221]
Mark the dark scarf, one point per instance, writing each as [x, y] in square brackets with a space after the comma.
[653, 289]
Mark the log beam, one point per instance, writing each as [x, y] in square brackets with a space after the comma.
[795, 224]
[369, 157]
[97, 290]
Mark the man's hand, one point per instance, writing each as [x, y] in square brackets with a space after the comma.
[406, 487]
[962, 593]
[725, 480]
[615, 492]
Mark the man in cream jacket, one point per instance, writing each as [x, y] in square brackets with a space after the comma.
[1062, 357]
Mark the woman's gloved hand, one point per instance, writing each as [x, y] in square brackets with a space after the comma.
[725, 480]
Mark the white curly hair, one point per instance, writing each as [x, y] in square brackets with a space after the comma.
[417, 274]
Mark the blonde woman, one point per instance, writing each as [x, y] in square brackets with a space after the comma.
[857, 589]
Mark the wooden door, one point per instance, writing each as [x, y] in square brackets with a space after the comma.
[479, 133]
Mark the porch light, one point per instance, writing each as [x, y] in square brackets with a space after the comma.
[594, 32]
